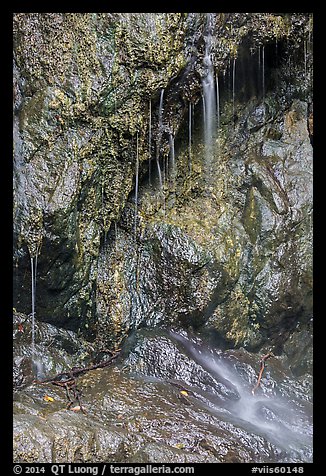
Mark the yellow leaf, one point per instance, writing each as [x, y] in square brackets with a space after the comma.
[180, 446]
[183, 392]
[48, 399]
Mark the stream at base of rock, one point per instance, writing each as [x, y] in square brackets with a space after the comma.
[168, 398]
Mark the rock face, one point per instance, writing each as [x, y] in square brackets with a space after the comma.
[230, 255]
[135, 222]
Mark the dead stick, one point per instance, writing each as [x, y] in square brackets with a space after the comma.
[262, 367]
[67, 380]
[75, 371]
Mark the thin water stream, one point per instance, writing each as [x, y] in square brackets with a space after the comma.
[209, 101]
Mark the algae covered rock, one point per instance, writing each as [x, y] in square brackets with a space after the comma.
[81, 82]
[94, 93]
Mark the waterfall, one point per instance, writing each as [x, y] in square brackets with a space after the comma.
[136, 189]
[209, 100]
[34, 246]
[150, 142]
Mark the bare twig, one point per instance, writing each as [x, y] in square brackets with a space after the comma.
[67, 380]
[262, 367]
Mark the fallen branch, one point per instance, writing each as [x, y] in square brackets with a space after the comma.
[67, 380]
[262, 367]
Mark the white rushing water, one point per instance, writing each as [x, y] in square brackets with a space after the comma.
[209, 100]
[285, 421]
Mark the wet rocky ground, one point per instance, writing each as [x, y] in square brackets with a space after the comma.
[168, 398]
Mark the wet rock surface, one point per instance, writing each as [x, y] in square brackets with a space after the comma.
[54, 351]
[86, 92]
[235, 258]
[139, 412]
[197, 273]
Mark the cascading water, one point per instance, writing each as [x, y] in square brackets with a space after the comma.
[279, 417]
[38, 366]
[209, 100]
